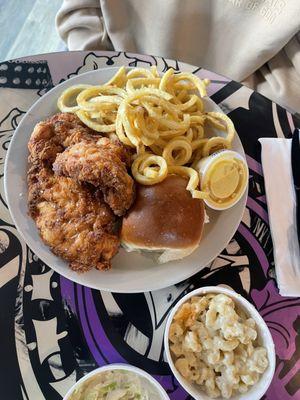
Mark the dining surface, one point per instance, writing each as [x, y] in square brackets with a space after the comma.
[28, 20]
[54, 331]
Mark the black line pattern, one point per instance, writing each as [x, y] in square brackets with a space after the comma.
[25, 75]
[45, 334]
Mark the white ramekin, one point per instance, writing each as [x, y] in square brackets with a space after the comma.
[264, 338]
[126, 367]
[204, 165]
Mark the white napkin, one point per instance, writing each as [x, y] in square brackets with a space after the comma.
[281, 200]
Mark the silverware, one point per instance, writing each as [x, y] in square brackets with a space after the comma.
[295, 157]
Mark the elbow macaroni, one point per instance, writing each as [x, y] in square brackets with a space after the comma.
[214, 345]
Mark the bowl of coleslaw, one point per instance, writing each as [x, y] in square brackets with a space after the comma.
[117, 382]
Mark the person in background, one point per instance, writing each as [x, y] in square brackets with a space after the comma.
[256, 42]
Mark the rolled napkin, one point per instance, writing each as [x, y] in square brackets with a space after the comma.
[281, 201]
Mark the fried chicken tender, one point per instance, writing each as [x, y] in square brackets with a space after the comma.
[73, 220]
[114, 146]
[99, 164]
[72, 216]
[62, 130]
[53, 135]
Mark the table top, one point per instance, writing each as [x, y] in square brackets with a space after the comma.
[54, 331]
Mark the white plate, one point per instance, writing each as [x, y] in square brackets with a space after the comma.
[131, 272]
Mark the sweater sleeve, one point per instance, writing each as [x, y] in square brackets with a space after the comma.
[80, 24]
[279, 78]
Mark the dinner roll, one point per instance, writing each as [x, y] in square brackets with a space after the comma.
[164, 218]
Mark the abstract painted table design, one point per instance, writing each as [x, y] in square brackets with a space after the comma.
[54, 331]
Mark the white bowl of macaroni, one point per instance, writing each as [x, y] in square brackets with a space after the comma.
[218, 346]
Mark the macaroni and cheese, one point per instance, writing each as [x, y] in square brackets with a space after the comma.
[214, 344]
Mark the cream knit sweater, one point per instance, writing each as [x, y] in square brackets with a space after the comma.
[254, 41]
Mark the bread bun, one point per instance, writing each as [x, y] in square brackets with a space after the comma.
[164, 218]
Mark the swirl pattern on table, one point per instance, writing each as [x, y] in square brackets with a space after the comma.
[53, 331]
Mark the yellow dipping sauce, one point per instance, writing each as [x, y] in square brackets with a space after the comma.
[224, 175]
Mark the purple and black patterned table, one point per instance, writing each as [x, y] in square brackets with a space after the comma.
[53, 331]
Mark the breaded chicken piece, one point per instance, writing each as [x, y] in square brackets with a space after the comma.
[53, 135]
[72, 219]
[113, 145]
[62, 130]
[100, 165]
